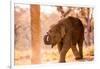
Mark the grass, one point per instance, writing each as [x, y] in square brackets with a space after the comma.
[51, 55]
[88, 53]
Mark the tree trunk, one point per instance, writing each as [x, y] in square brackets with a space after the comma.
[35, 33]
[88, 27]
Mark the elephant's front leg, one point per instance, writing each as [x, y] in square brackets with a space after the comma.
[63, 52]
[66, 46]
[60, 45]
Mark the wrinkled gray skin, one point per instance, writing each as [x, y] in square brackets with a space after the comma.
[66, 34]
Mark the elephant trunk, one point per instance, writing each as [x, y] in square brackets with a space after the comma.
[47, 39]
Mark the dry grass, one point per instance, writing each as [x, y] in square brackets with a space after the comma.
[22, 56]
[51, 55]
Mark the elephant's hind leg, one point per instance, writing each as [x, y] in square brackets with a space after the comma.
[75, 52]
[80, 45]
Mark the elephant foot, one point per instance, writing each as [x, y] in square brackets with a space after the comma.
[79, 58]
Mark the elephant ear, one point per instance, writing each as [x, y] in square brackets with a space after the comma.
[62, 32]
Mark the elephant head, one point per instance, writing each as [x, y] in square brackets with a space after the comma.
[54, 35]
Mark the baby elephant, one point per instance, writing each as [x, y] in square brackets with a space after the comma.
[66, 34]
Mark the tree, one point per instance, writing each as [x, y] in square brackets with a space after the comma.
[35, 33]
